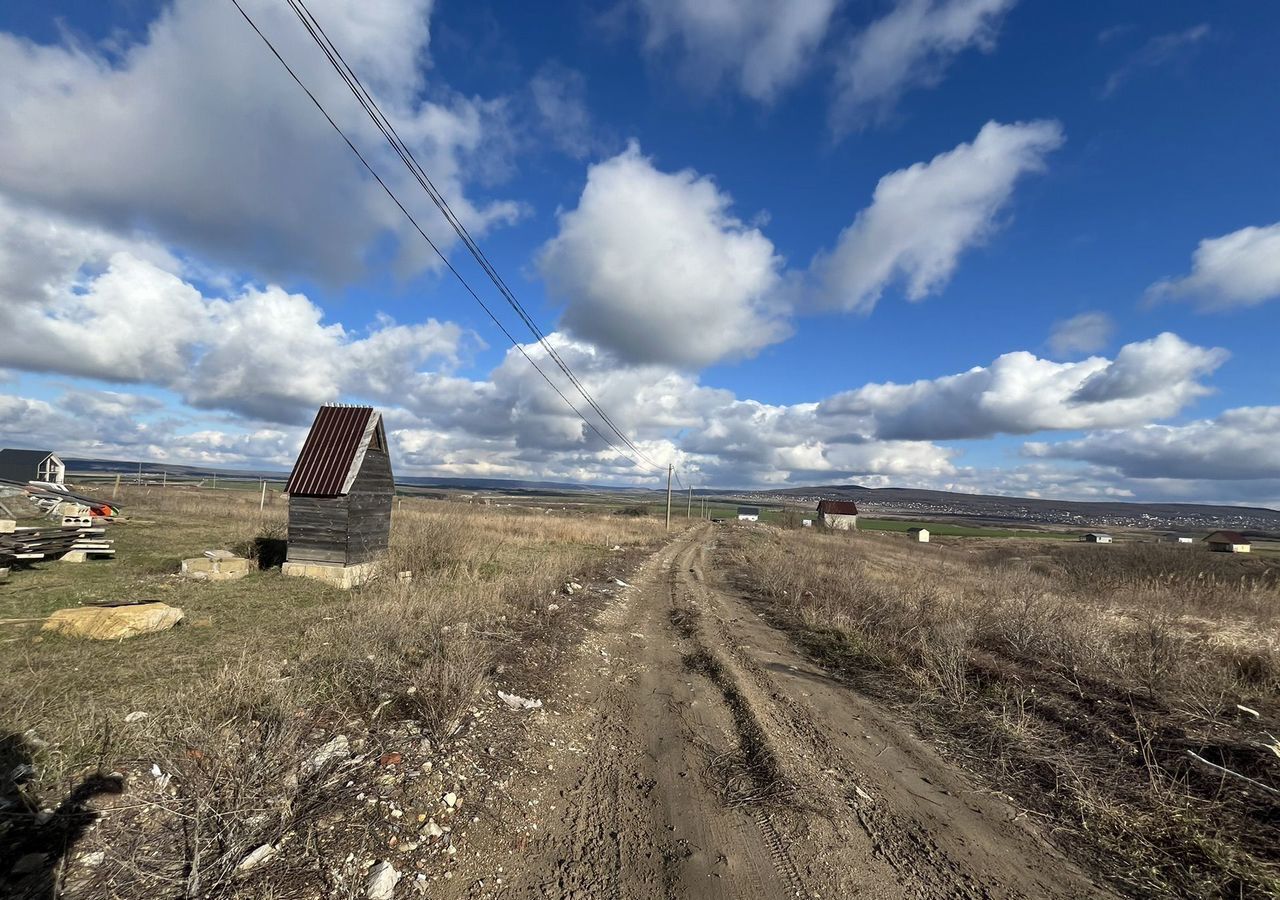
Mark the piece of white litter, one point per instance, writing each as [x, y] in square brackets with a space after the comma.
[135, 717]
[517, 702]
[162, 780]
[1243, 709]
[620, 583]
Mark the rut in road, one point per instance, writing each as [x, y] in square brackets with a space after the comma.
[706, 757]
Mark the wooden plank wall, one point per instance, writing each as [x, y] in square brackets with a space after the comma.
[345, 530]
[369, 509]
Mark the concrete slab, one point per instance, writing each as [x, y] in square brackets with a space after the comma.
[344, 577]
[201, 568]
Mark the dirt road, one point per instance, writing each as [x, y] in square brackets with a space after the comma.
[696, 753]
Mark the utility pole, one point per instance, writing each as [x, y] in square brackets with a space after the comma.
[263, 502]
[670, 469]
[688, 510]
[115, 490]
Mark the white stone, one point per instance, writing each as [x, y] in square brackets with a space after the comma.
[256, 858]
[382, 882]
[335, 750]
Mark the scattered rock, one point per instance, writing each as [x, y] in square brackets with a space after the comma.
[382, 882]
[114, 623]
[432, 829]
[256, 858]
[516, 702]
[96, 858]
[450, 800]
[334, 751]
[552, 607]
[135, 717]
[390, 759]
[620, 583]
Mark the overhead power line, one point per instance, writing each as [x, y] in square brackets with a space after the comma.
[388, 130]
[458, 275]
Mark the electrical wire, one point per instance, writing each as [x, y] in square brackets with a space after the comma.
[425, 237]
[367, 102]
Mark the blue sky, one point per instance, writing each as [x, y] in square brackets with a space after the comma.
[982, 245]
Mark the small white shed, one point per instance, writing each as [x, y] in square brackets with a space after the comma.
[918, 534]
[1096, 537]
[748, 514]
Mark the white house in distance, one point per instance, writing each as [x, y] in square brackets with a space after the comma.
[748, 514]
[1228, 542]
[918, 534]
[841, 515]
[1174, 538]
[1096, 537]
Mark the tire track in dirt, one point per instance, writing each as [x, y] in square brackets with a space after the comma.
[702, 756]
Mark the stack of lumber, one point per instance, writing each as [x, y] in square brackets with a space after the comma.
[57, 500]
[28, 545]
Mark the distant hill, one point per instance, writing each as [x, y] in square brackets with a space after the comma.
[990, 508]
[995, 508]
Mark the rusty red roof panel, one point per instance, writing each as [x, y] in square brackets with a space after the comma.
[837, 508]
[329, 451]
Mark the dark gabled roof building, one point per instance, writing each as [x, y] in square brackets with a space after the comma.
[837, 508]
[31, 465]
[841, 515]
[340, 489]
[1228, 542]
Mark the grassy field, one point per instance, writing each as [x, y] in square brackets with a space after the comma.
[232, 703]
[1080, 679]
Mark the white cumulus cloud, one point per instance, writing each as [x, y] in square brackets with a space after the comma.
[1239, 444]
[763, 46]
[196, 132]
[1020, 393]
[654, 267]
[922, 218]
[1236, 270]
[911, 46]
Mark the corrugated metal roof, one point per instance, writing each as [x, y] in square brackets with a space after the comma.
[837, 508]
[329, 451]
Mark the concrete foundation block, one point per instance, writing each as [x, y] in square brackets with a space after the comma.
[201, 568]
[75, 556]
[344, 577]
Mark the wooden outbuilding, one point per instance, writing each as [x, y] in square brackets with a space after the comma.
[341, 489]
[1228, 542]
[841, 515]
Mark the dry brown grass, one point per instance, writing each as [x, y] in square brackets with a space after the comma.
[267, 670]
[1081, 676]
